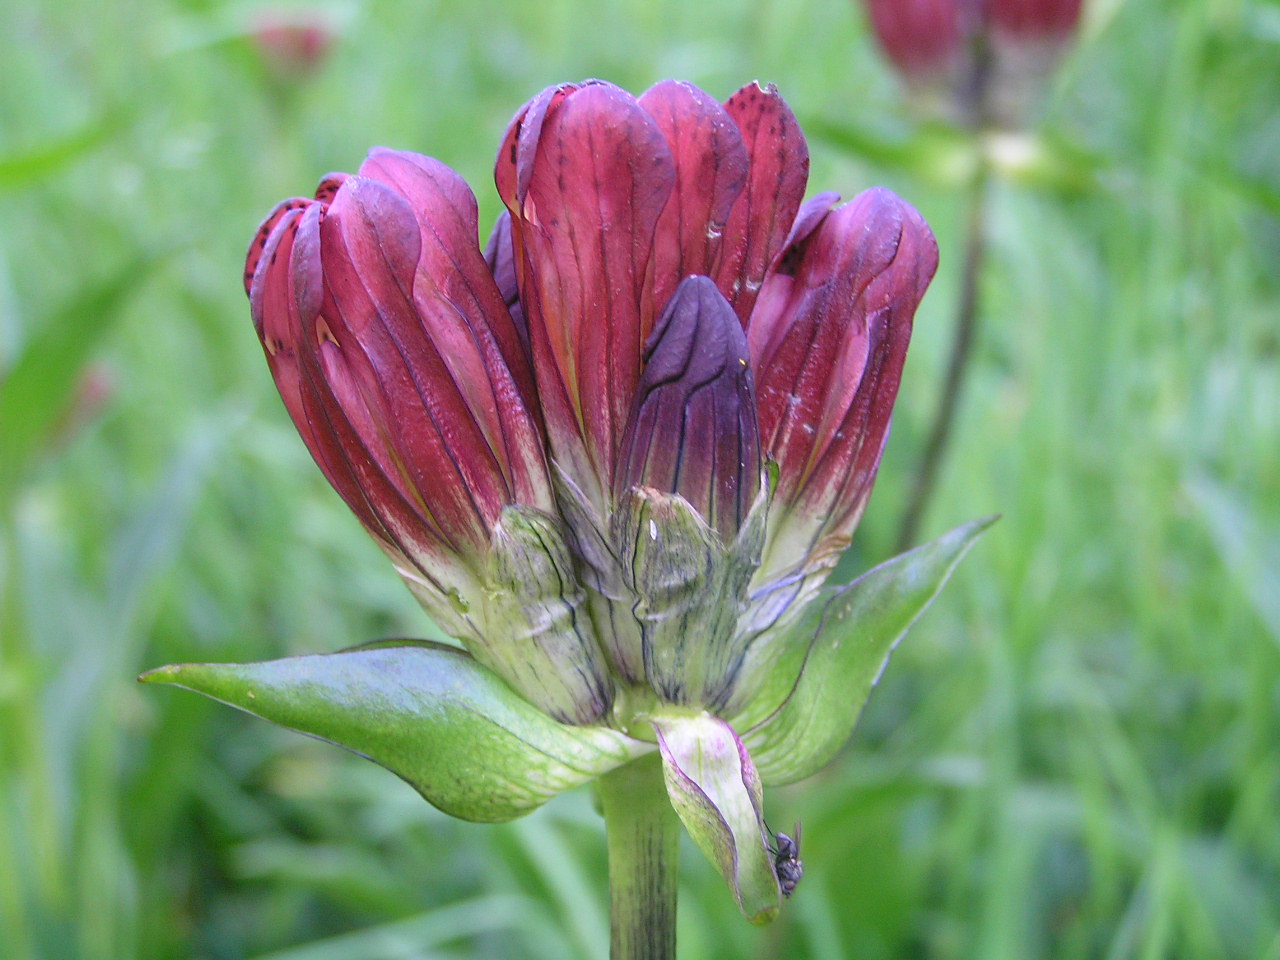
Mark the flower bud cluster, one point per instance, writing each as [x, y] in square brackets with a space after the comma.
[613, 451]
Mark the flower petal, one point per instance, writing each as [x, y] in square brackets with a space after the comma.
[716, 792]
[762, 215]
[692, 429]
[383, 360]
[464, 317]
[828, 345]
[710, 172]
[585, 173]
[500, 255]
[286, 287]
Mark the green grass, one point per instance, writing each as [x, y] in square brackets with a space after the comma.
[1076, 755]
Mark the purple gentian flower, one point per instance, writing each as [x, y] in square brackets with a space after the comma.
[660, 340]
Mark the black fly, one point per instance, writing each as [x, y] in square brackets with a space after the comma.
[786, 861]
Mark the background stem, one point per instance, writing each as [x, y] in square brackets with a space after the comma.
[644, 838]
[968, 309]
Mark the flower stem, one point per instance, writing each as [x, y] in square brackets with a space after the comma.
[966, 326]
[644, 839]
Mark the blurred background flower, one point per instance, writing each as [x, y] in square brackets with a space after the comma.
[292, 44]
[979, 62]
[1076, 759]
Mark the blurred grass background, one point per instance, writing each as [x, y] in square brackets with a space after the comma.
[1076, 755]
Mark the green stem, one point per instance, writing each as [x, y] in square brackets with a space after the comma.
[644, 839]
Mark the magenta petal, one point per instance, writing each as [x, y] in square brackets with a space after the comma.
[829, 355]
[465, 318]
[583, 228]
[272, 303]
[257, 247]
[427, 436]
[519, 150]
[382, 506]
[711, 170]
[284, 298]
[765, 210]
[812, 212]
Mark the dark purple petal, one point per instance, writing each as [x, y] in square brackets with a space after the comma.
[828, 353]
[692, 430]
[711, 170]
[762, 215]
[500, 255]
[585, 173]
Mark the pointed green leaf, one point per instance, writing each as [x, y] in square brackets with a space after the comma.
[853, 632]
[717, 794]
[428, 713]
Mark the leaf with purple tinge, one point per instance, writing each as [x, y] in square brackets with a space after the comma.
[717, 794]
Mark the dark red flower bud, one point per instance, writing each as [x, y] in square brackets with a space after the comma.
[292, 44]
[925, 39]
[986, 60]
[400, 364]
[1043, 19]
[828, 340]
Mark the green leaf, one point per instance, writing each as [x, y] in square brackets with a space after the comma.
[427, 712]
[854, 633]
[717, 794]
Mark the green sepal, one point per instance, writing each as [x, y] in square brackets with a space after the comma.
[688, 590]
[427, 712]
[852, 631]
[538, 637]
[717, 794]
